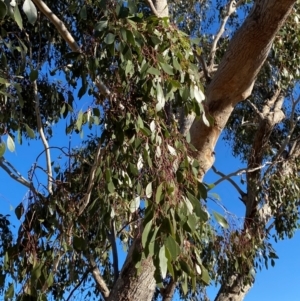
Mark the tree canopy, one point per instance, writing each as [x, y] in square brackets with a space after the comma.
[160, 82]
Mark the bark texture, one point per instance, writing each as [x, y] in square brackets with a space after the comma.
[234, 79]
[234, 290]
[133, 286]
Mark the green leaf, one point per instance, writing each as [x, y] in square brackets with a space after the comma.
[2, 148]
[29, 131]
[158, 193]
[160, 98]
[3, 81]
[146, 232]
[3, 10]
[173, 247]
[205, 276]
[10, 292]
[36, 272]
[19, 211]
[167, 68]
[134, 204]
[17, 17]
[111, 187]
[30, 11]
[83, 14]
[79, 121]
[50, 280]
[184, 285]
[192, 222]
[33, 75]
[184, 266]
[163, 262]
[148, 189]
[101, 25]
[221, 220]
[153, 71]
[109, 39]
[10, 143]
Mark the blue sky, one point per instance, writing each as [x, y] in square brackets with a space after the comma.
[279, 283]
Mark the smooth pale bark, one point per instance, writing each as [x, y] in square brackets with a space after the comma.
[234, 79]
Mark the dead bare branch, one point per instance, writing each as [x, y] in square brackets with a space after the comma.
[239, 190]
[229, 10]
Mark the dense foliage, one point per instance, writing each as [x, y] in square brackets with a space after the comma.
[138, 177]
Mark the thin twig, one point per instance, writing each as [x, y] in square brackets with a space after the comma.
[240, 191]
[230, 9]
[241, 171]
[84, 276]
[66, 35]
[42, 135]
[86, 199]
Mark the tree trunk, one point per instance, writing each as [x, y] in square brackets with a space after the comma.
[234, 79]
[131, 285]
[234, 290]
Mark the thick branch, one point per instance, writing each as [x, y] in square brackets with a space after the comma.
[60, 26]
[13, 173]
[98, 278]
[233, 82]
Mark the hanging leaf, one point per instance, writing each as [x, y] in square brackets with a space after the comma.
[146, 232]
[205, 276]
[160, 98]
[79, 120]
[30, 11]
[110, 38]
[10, 143]
[158, 193]
[19, 211]
[221, 220]
[17, 17]
[173, 247]
[3, 10]
[2, 148]
[163, 262]
[148, 190]
[10, 292]
[167, 68]
[101, 25]
[134, 204]
[83, 14]
[29, 131]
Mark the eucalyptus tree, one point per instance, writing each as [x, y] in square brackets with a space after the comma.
[161, 85]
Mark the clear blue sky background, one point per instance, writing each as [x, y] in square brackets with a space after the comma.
[276, 284]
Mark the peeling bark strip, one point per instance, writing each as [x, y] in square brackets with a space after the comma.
[234, 79]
